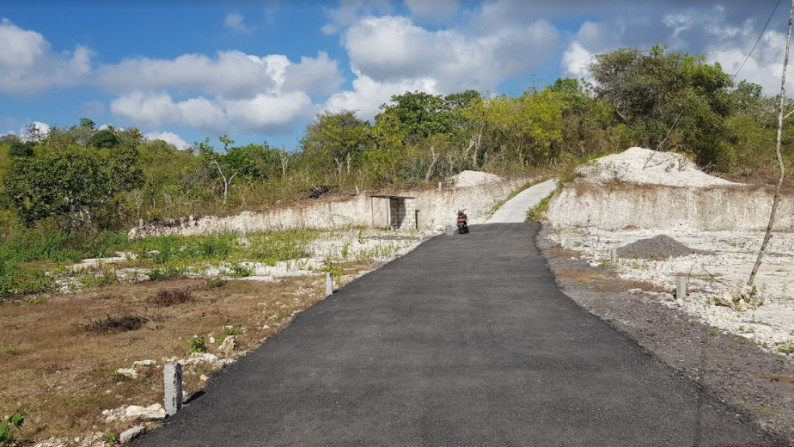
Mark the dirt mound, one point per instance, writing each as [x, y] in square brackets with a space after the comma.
[657, 247]
[474, 178]
[638, 165]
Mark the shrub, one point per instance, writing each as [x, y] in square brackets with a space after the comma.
[120, 323]
[170, 297]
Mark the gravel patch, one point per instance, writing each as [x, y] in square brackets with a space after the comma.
[657, 247]
[758, 384]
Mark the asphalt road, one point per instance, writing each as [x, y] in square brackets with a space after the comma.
[466, 341]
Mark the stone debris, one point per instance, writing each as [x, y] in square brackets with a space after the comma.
[131, 413]
[143, 363]
[657, 247]
[228, 346]
[96, 439]
[474, 178]
[130, 434]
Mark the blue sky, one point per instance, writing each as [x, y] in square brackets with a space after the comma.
[261, 70]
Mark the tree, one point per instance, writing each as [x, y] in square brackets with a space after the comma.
[668, 100]
[76, 187]
[105, 138]
[422, 114]
[335, 141]
[20, 149]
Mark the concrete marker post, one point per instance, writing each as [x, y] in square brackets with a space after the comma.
[329, 284]
[613, 254]
[172, 378]
[680, 287]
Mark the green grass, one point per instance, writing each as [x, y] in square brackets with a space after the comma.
[26, 257]
[539, 211]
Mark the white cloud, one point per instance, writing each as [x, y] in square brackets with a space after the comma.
[349, 12]
[234, 22]
[155, 110]
[168, 137]
[435, 10]
[40, 131]
[268, 112]
[368, 95]
[390, 55]
[393, 49]
[29, 66]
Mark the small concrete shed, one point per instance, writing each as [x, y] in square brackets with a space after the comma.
[394, 212]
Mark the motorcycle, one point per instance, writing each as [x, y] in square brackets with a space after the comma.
[463, 222]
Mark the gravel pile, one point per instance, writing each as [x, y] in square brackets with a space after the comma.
[657, 247]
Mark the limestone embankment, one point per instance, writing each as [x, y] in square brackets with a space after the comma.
[475, 191]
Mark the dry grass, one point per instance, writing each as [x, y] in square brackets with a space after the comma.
[58, 357]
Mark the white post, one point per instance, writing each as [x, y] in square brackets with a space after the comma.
[329, 284]
[613, 254]
[439, 186]
[680, 287]
[172, 377]
[140, 223]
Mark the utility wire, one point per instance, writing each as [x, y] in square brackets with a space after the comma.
[759, 39]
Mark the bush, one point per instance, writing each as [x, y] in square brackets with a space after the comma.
[121, 323]
[170, 297]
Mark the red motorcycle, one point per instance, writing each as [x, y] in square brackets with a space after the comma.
[463, 222]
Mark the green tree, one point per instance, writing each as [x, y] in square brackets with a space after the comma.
[105, 138]
[78, 188]
[20, 149]
[668, 100]
[335, 141]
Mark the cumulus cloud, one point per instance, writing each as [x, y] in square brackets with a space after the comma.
[269, 112]
[168, 137]
[234, 22]
[29, 66]
[349, 12]
[390, 55]
[436, 10]
[368, 94]
[34, 131]
[155, 110]
[393, 49]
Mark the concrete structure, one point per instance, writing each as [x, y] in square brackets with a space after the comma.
[172, 379]
[401, 212]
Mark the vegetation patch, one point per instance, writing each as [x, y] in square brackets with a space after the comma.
[171, 297]
[118, 323]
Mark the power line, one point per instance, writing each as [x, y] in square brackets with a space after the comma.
[759, 39]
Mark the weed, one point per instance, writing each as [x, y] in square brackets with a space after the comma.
[538, 211]
[121, 323]
[10, 349]
[345, 250]
[110, 438]
[196, 344]
[216, 282]
[712, 331]
[784, 348]
[240, 271]
[9, 426]
[157, 274]
[170, 297]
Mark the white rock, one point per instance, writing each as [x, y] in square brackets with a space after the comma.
[128, 435]
[198, 358]
[142, 363]
[228, 346]
[135, 413]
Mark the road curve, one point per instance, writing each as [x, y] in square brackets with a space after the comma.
[466, 341]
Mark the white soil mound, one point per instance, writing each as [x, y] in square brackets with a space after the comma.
[638, 165]
[474, 178]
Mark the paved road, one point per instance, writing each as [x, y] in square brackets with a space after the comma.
[466, 341]
[515, 209]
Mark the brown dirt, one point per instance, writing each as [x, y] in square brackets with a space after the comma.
[757, 384]
[59, 353]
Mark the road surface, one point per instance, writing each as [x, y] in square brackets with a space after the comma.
[466, 341]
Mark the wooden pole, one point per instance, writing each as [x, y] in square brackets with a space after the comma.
[776, 199]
